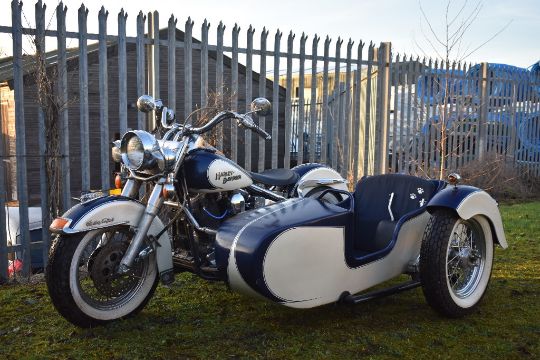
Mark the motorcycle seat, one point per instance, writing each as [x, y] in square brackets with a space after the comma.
[276, 177]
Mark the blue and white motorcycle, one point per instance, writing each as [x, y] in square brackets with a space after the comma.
[308, 242]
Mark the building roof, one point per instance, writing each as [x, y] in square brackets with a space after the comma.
[72, 57]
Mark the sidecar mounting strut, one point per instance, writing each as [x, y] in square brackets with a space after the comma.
[347, 298]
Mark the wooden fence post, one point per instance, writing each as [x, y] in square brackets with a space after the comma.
[188, 67]
[140, 48]
[326, 141]
[83, 99]
[204, 63]
[382, 134]
[275, 101]
[62, 98]
[122, 73]
[219, 82]
[234, 89]
[104, 100]
[249, 94]
[288, 108]
[346, 125]
[313, 104]
[20, 131]
[301, 103]
[482, 118]
[153, 63]
[44, 181]
[262, 93]
[171, 68]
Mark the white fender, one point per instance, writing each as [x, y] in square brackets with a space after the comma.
[321, 176]
[124, 212]
[481, 203]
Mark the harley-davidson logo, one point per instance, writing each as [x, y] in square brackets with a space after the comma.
[222, 174]
[227, 176]
[232, 178]
[99, 222]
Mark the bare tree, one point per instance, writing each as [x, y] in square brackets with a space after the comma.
[450, 45]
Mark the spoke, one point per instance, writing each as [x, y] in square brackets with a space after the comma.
[452, 259]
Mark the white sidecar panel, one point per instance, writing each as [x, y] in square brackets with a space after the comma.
[300, 260]
[306, 267]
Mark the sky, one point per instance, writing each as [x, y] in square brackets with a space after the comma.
[396, 21]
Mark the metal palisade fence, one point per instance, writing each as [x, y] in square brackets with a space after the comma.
[355, 106]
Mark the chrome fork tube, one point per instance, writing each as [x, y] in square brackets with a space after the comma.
[152, 208]
[131, 188]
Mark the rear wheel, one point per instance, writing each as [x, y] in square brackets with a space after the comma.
[83, 282]
[455, 262]
[329, 197]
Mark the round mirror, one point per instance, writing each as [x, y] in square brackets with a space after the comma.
[261, 106]
[146, 103]
[167, 118]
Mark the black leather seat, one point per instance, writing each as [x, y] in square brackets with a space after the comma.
[380, 201]
[276, 177]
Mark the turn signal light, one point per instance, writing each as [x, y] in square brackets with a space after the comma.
[118, 181]
[58, 224]
[168, 191]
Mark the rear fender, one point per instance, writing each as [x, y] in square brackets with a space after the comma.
[316, 175]
[467, 202]
[111, 211]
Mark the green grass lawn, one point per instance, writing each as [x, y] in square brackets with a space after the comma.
[196, 319]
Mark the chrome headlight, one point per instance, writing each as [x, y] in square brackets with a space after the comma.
[141, 151]
[115, 151]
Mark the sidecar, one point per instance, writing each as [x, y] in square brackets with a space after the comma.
[305, 252]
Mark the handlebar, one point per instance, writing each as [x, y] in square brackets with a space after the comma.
[243, 120]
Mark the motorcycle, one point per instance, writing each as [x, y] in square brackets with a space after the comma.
[301, 251]
[175, 193]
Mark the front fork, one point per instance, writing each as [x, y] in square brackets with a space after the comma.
[155, 201]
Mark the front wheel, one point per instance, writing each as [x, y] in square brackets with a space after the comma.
[455, 262]
[83, 283]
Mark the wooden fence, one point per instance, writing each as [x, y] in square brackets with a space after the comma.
[362, 111]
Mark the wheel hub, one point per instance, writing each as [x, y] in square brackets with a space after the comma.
[103, 266]
[468, 257]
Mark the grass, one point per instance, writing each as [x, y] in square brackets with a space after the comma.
[196, 319]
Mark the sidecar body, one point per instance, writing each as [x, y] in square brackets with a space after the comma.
[305, 252]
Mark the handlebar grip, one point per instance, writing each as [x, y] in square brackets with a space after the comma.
[262, 133]
[246, 121]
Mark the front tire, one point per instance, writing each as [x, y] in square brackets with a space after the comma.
[455, 262]
[82, 281]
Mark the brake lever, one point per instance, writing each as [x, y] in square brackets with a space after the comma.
[246, 121]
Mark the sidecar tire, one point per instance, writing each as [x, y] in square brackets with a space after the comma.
[57, 276]
[441, 249]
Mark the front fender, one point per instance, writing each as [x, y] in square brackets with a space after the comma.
[114, 210]
[469, 201]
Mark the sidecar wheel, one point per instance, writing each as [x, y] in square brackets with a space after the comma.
[455, 262]
[82, 281]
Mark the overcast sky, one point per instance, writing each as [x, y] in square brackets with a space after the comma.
[398, 21]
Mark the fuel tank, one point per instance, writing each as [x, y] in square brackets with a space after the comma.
[209, 172]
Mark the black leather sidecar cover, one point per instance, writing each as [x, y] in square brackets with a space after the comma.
[249, 234]
[383, 200]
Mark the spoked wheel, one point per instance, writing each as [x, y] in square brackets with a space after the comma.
[83, 281]
[455, 262]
